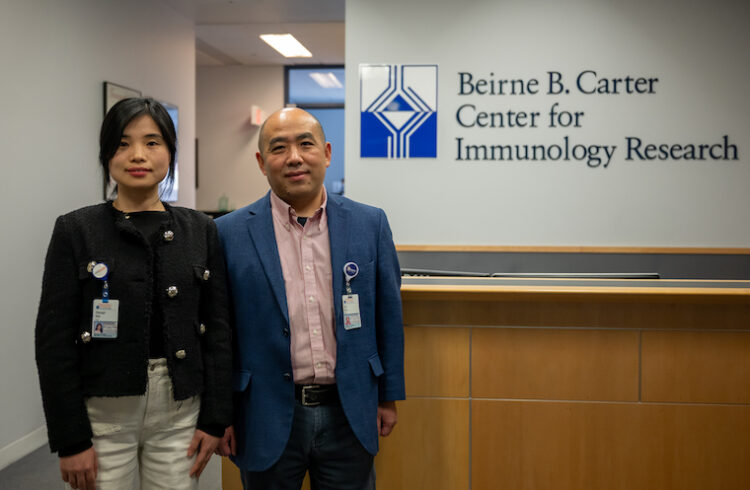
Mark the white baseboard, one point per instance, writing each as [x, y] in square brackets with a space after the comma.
[23, 446]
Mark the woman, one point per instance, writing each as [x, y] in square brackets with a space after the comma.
[146, 396]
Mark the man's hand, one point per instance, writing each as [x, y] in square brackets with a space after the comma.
[79, 470]
[204, 444]
[228, 444]
[387, 417]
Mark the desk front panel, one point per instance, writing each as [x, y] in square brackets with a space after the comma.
[575, 392]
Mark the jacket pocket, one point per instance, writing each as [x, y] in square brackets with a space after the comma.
[375, 365]
[241, 380]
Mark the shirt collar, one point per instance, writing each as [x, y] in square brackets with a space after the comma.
[284, 213]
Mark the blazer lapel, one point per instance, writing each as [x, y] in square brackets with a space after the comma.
[338, 218]
[260, 227]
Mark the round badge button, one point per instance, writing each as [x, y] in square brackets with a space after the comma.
[351, 270]
[100, 270]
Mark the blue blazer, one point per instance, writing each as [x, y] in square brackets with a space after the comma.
[369, 360]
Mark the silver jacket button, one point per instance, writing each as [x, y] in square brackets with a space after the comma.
[90, 266]
[86, 337]
[206, 274]
[172, 291]
[168, 236]
[180, 354]
[202, 328]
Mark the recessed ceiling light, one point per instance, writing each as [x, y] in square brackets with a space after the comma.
[326, 80]
[287, 45]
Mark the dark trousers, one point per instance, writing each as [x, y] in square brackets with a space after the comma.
[323, 443]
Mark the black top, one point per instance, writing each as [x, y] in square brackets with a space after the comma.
[149, 223]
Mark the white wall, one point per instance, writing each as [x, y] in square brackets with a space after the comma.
[55, 56]
[227, 142]
[698, 50]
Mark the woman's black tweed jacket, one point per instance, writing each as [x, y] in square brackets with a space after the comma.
[73, 366]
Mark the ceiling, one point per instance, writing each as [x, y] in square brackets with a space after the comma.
[227, 31]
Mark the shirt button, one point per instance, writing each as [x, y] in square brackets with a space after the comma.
[202, 328]
[90, 266]
[172, 291]
[285, 332]
[312, 299]
[286, 226]
[287, 376]
[180, 354]
[168, 236]
[206, 274]
[315, 331]
[86, 337]
[318, 364]
[307, 268]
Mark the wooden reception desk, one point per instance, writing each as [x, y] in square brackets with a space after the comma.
[572, 384]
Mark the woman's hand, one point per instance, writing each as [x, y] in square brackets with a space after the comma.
[205, 445]
[228, 444]
[79, 470]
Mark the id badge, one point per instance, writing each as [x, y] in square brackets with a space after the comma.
[104, 319]
[352, 319]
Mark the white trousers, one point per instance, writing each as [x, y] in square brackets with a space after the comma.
[144, 438]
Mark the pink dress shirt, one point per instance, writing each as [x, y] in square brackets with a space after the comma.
[305, 254]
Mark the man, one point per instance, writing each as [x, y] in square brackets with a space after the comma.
[315, 286]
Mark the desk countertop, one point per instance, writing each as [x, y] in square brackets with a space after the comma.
[527, 288]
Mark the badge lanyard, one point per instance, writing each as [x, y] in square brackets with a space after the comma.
[350, 272]
[101, 272]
